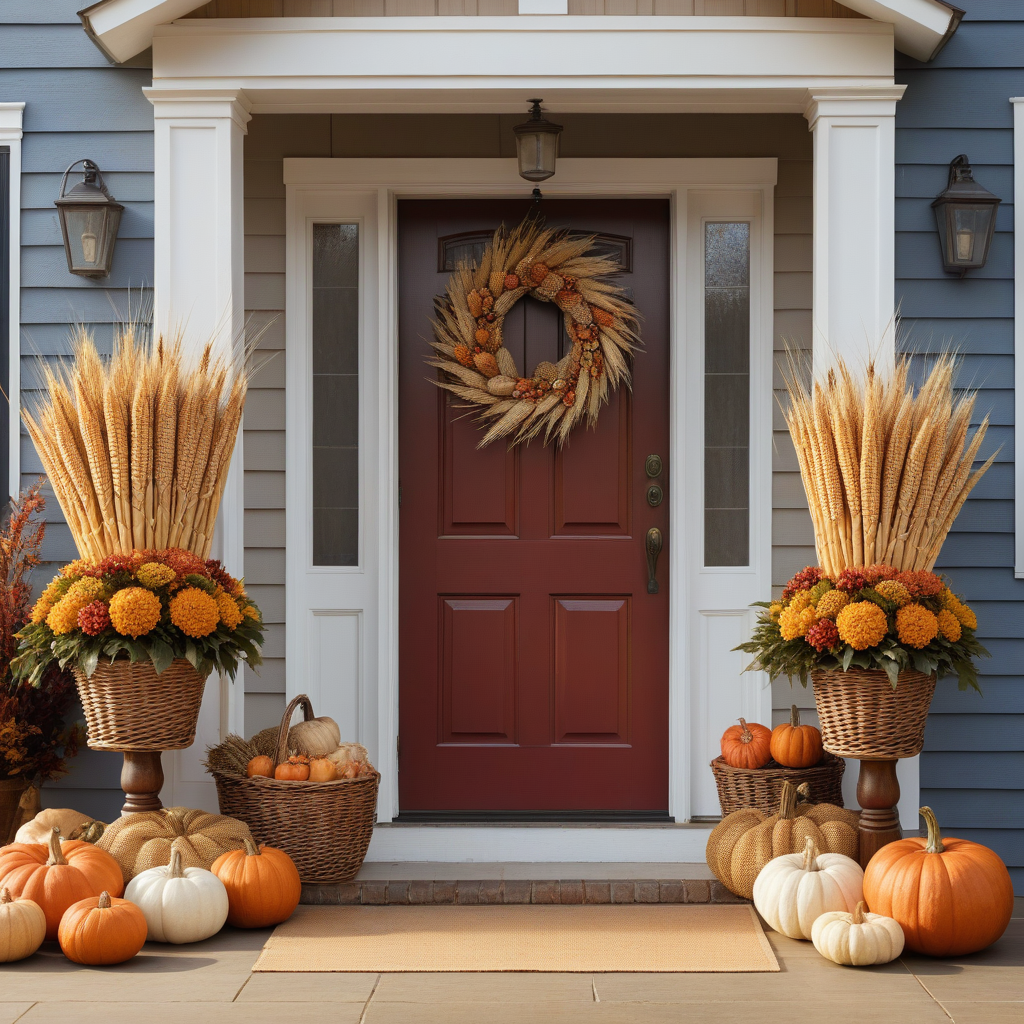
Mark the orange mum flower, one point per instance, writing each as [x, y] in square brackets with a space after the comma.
[134, 611]
[194, 612]
[916, 626]
[228, 610]
[949, 626]
[862, 625]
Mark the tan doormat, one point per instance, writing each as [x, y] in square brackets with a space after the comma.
[628, 937]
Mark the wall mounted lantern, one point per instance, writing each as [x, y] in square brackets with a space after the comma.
[89, 219]
[966, 217]
[537, 145]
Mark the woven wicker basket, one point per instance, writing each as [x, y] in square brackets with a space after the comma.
[762, 787]
[129, 707]
[862, 716]
[325, 827]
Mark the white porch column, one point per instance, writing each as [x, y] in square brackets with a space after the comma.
[854, 208]
[199, 287]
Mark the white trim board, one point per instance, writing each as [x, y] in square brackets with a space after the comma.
[11, 117]
[1018, 334]
[366, 191]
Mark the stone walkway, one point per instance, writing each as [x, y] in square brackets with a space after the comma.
[212, 981]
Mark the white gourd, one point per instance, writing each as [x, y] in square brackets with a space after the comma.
[858, 939]
[316, 738]
[793, 890]
[22, 927]
[179, 904]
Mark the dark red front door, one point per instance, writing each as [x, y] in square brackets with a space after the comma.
[534, 662]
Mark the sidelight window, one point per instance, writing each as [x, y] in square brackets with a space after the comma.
[335, 394]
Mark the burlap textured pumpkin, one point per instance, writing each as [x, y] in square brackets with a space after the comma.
[72, 825]
[744, 841]
[143, 840]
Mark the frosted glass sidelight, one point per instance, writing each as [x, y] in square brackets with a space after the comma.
[727, 393]
[335, 394]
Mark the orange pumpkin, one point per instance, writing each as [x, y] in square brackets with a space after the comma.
[322, 770]
[263, 885]
[102, 930]
[58, 874]
[747, 746]
[794, 745]
[295, 769]
[950, 896]
[260, 765]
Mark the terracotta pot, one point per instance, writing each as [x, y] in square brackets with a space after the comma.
[862, 716]
[11, 791]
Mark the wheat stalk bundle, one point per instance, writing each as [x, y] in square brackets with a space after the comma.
[885, 470]
[137, 447]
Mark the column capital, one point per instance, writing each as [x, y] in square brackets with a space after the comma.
[194, 104]
[867, 101]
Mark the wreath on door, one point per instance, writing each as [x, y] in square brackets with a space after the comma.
[601, 323]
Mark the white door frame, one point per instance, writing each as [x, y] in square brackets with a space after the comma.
[368, 190]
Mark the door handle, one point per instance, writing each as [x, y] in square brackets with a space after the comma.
[655, 542]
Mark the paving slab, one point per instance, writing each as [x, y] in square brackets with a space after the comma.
[308, 988]
[987, 1013]
[484, 987]
[10, 1012]
[183, 1013]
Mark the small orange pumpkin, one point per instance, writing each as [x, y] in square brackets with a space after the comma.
[950, 896]
[794, 745]
[102, 930]
[295, 769]
[58, 874]
[260, 765]
[263, 885]
[322, 770]
[747, 746]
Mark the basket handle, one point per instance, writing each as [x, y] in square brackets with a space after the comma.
[286, 721]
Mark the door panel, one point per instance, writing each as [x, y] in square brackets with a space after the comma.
[533, 661]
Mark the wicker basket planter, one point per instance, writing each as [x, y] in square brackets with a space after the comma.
[862, 716]
[762, 787]
[325, 827]
[130, 707]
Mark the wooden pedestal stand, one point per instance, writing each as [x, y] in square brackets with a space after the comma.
[878, 793]
[142, 778]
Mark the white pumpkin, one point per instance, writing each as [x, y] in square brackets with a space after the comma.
[792, 891]
[179, 904]
[858, 939]
[22, 927]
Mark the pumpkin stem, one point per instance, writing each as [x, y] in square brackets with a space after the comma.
[810, 855]
[746, 736]
[794, 716]
[56, 856]
[103, 903]
[858, 913]
[251, 849]
[787, 802]
[934, 844]
[5, 896]
[174, 871]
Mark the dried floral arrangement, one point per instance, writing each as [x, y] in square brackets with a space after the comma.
[137, 447]
[553, 266]
[146, 605]
[35, 740]
[885, 470]
[877, 617]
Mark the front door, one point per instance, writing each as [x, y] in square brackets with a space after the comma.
[533, 658]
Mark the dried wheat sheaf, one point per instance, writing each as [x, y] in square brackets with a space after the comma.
[885, 470]
[137, 446]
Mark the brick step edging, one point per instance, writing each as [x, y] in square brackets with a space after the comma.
[563, 891]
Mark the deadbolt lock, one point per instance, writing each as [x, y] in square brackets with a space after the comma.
[655, 495]
[653, 466]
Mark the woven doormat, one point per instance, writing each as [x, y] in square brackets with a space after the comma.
[629, 937]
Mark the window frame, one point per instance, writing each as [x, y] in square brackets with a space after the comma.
[11, 125]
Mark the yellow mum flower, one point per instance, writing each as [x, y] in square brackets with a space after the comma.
[63, 616]
[154, 575]
[794, 624]
[194, 612]
[964, 615]
[134, 611]
[949, 626]
[916, 626]
[801, 600]
[862, 625]
[227, 607]
[775, 609]
[77, 567]
[250, 611]
[893, 590]
[87, 590]
[832, 603]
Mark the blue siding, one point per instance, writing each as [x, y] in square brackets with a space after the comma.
[76, 106]
[972, 770]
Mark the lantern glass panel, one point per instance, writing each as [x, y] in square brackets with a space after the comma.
[89, 234]
[537, 154]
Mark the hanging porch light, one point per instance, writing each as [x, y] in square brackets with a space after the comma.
[89, 219]
[966, 217]
[537, 145]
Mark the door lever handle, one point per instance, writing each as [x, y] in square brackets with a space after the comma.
[655, 542]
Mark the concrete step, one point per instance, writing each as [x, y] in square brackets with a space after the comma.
[562, 883]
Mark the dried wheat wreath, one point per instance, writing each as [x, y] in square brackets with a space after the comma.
[601, 323]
